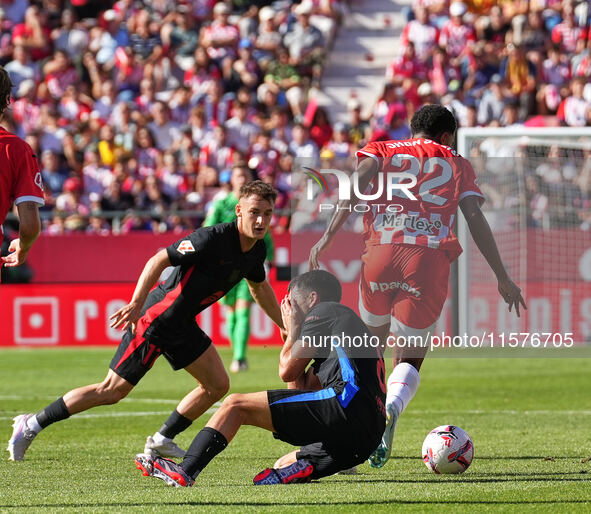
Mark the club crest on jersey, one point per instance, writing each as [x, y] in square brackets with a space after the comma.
[185, 247]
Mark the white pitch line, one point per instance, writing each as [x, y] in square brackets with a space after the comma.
[123, 414]
[167, 401]
[505, 411]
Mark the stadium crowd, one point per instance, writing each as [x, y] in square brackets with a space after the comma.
[497, 63]
[147, 106]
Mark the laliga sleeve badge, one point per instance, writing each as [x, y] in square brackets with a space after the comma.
[185, 247]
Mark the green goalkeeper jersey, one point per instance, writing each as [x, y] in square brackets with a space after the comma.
[224, 211]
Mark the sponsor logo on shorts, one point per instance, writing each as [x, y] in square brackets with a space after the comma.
[212, 298]
[382, 287]
[412, 222]
[185, 247]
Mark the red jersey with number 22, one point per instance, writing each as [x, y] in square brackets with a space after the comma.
[443, 179]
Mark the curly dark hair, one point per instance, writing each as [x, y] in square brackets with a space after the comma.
[325, 284]
[258, 188]
[433, 120]
[6, 86]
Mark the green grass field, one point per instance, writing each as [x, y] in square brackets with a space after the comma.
[530, 420]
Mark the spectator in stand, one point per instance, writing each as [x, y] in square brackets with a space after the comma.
[25, 111]
[96, 177]
[145, 43]
[146, 153]
[280, 128]
[217, 105]
[106, 146]
[520, 74]
[114, 199]
[217, 153]
[305, 42]
[53, 175]
[320, 128]
[204, 72]
[221, 38]
[493, 28]
[22, 67]
[180, 105]
[147, 96]
[268, 38]
[339, 144]
[567, 32]
[510, 116]
[302, 147]
[407, 66]
[241, 132]
[422, 33]
[359, 129]
[166, 132]
[263, 154]
[441, 72]
[456, 36]
[575, 110]
[535, 35]
[70, 36]
[59, 74]
[51, 134]
[33, 34]
[104, 105]
[555, 76]
[283, 78]
[69, 202]
[492, 103]
[245, 71]
[200, 129]
[180, 34]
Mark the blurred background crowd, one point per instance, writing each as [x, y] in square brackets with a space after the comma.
[148, 105]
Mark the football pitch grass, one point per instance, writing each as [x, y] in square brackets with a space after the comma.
[530, 420]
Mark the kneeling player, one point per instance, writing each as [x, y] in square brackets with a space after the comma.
[337, 424]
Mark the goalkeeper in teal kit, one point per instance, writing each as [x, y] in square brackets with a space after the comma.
[238, 300]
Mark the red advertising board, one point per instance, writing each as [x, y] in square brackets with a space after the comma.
[78, 314]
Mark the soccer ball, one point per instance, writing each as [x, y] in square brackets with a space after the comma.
[448, 449]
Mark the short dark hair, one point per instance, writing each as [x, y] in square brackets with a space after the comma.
[6, 86]
[433, 120]
[258, 188]
[323, 283]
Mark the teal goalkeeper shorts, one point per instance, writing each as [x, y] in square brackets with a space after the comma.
[239, 292]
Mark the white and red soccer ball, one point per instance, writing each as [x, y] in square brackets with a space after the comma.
[448, 449]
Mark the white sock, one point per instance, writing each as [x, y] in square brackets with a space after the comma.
[160, 439]
[402, 386]
[33, 424]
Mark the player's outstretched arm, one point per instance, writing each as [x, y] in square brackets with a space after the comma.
[366, 171]
[485, 241]
[29, 229]
[263, 294]
[130, 313]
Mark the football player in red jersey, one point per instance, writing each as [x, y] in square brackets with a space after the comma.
[408, 251]
[20, 183]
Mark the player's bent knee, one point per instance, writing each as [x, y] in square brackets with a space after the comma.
[110, 394]
[218, 389]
